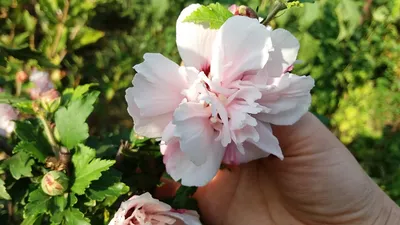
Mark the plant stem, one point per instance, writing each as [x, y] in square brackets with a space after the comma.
[49, 135]
[60, 28]
[278, 7]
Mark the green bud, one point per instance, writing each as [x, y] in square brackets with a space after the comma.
[54, 183]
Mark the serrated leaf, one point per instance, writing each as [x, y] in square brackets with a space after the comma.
[32, 149]
[28, 133]
[59, 203]
[20, 165]
[24, 129]
[87, 168]
[108, 185]
[70, 216]
[38, 203]
[3, 191]
[213, 14]
[72, 199]
[24, 107]
[81, 90]
[33, 220]
[70, 122]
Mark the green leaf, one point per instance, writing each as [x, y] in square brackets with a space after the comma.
[33, 220]
[20, 165]
[25, 53]
[86, 36]
[70, 216]
[349, 16]
[108, 185]
[183, 198]
[214, 14]
[70, 122]
[81, 90]
[24, 129]
[87, 168]
[59, 203]
[32, 149]
[3, 191]
[38, 203]
[29, 133]
[24, 107]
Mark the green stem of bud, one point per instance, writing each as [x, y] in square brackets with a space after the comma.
[49, 135]
[278, 7]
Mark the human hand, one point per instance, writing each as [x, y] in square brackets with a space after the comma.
[318, 182]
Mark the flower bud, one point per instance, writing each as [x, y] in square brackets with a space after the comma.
[21, 76]
[50, 100]
[54, 183]
[243, 11]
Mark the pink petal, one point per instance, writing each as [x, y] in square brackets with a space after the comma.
[181, 168]
[190, 217]
[266, 145]
[156, 93]
[288, 101]
[241, 46]
[194, 41]
[158, 84]
[286, 47]
[193, 128]
[268, 142]
[147, 202]
[234, 157]
[146, 126]
[7, 115]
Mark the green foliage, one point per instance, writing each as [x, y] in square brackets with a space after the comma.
[87, 168]
[70, 120]
[70, 216]
[3, 191]
[20, 165]
[214, 15]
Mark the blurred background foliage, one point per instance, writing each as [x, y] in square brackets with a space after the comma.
[350, 47]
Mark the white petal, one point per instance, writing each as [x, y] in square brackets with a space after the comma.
[288, 101]
[234, 157]
[156, 93]
[188, 218]
[241, 46]
[194, 41]
[181, 168]
[268, 142]
[286, 47]
[195, 133]
[152, 126]
[158, 84]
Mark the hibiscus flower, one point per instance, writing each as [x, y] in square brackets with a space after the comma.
[145, 210]
[7, 115]
[220, 105]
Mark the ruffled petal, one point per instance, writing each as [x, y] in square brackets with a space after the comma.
[181, 168]
[190, 217]
[193, 128]
[266, 145]
[194, 41]
[288, 101]
[286, 47]
[234, 157]
[241, 46]
[156, 93]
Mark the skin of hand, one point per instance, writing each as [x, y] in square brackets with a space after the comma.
[318, 182]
